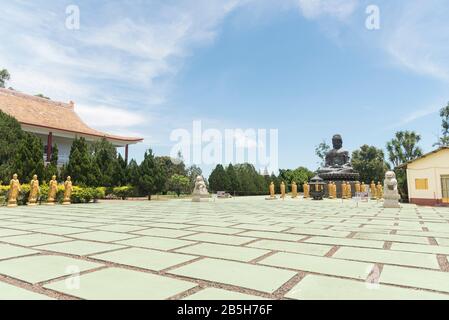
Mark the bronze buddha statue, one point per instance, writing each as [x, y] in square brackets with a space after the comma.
[337, 164]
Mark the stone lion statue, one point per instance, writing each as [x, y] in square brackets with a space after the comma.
[390, 182]
[200, 190]
[391, 194]
[200, 186]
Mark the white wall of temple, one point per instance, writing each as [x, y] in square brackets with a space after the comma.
[432, 168]
[434, 189]
[64, 146]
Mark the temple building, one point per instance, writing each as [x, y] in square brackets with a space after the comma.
[55, 123]
[428, 178]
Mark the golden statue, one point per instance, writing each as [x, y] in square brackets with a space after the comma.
[357, 187]
[282, 190]
[67, 191]
[329, 190]
[348, 190]
[14, 189]
[344, 192]
[380, 191]
[34, 191]
[306, 190]
[373, 190]
[294, 190]
[334, 190]
[363, 187]
[52, 190]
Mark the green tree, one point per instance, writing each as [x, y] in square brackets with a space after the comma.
[219, 180]
[119, 177]
[404, 147]
[4, 77]
[170, 166]
[401, 149]
[193, 172]
[151, 177]
[52, 168]
[11, 134]
[105, 162]
[299, 175]
[132, 174]
[29, 158]
[20, 152]
[233, 179]
[443, 141]
[250, 181]
[179, 184]
[81, 167]
[370, 163]
[321, 150]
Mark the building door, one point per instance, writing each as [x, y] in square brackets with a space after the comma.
[445, 188]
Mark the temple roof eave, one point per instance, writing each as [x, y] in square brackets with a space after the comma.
[41, 115]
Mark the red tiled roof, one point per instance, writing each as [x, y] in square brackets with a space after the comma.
[44, 113]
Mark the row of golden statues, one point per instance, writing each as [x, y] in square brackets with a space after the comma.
[376, 191]
[15, 188]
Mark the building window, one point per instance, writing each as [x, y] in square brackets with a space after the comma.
[421, 184]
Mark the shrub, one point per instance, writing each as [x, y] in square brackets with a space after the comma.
[4, 191]
[82, 195]
[3, 195]
[23, 194]
[100, 193]
[123, 192]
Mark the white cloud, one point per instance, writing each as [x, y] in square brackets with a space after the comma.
[340, 9]
[121, 56]
[109, 117]
[417, 37]
[415, 115]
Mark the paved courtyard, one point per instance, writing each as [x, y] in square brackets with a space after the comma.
[243, 248]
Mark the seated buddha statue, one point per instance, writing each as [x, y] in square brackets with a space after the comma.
[337, 164]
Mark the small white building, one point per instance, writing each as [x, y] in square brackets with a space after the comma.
[428, 178]
[55, 123]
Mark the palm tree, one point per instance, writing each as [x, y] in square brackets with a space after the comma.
[443, 141]
[404, 147]
[401, 149]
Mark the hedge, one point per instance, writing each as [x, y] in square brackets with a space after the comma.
[123, 192]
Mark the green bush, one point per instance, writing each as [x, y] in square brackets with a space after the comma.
[4, 191]
[123, 192]
[3, 195]
[83, 195]
[24, 194]
[100, 193]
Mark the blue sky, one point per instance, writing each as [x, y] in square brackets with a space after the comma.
[309, 68]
